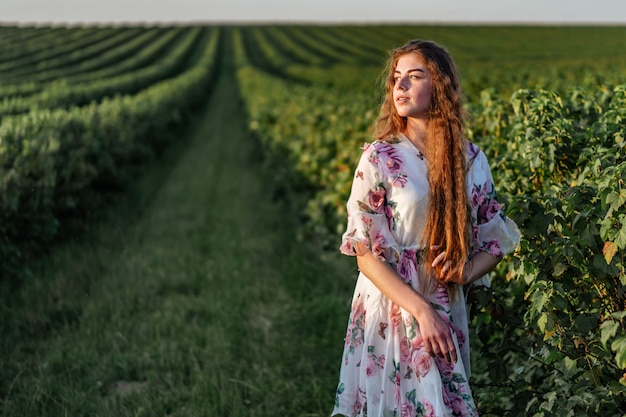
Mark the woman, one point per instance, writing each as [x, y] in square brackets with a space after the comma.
[423, 222]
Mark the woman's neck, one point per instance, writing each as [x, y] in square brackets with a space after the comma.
[417, 132]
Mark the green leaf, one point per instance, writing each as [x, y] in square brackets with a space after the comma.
[608, 330]
[559, 269]
[571, 367]
[539, 299]
[619, 315]
[620, 239]
[549, 403]
[584, 324]
[546, 324]
[606, 228]
[619, 347]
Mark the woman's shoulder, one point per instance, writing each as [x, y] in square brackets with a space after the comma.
[474, 153]
[380, 146]
[383, 143]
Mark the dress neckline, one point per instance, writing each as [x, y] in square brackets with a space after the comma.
[403, 137]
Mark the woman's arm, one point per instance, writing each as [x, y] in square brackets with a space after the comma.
[434, 330]
[479, 265]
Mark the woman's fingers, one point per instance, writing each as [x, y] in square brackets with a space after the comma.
[442, 346]
[445, 350]
[437, 336]
[439, 258]
[445, 269]
[451, 352]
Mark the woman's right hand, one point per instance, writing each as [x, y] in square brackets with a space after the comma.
[434, 329]
[436, 334]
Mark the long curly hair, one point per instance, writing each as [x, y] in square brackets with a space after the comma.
[448, 223]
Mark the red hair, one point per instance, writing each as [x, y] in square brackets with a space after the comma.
[448, 219]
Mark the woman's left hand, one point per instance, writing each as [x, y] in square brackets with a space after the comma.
[480, 264]
[447, 273]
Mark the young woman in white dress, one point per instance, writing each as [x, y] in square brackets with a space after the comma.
[424, 224]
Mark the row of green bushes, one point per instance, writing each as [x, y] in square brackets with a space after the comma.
[561, 167]
[53, 161]
[552, 330]
[64, 93]
[87, 61]
[139, 52]
[503, 58]
[19, 42]
[140, 56]
[68, 53]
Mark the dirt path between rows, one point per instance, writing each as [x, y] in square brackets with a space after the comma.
[193, 297]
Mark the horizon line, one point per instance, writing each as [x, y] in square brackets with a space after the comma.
[279, 22]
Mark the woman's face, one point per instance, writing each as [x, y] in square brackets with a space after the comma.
[412, 88]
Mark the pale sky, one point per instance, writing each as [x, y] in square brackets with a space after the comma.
[332, 11]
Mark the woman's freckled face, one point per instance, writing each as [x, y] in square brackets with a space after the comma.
[412, 88]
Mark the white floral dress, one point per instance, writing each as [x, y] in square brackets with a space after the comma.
[385, 370]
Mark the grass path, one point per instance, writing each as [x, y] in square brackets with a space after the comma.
[191, 297]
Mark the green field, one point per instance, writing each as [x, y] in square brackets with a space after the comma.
[172, 199]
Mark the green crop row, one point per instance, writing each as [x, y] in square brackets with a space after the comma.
[53, 162]
[66, 54]
[23, 43]
[503, 58]
[552, 329]
[64, 94]
[88, 62]
[106, 66]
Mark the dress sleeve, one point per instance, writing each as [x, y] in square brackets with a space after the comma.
[493, 231]
[368, 213]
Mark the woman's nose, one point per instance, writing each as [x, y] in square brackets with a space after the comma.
[401, 84]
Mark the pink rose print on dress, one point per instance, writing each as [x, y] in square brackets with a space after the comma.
[408, 410]
[394, 161]
[407, 266]
[395, 316]
[454, 402]
[405, 350]
[429, 410]
[377, 200]
[373, 362]
[356, 408]
[493, 247]
[367, 221]
[472, 150]
[487, 212]
[421, 361]
[396, 389]
[373, 157]
[417, 343]
[389, 212]
[445, 367]
[399, 180]
[442, 300]
[477, 197]
[393, 218]
[355, 332]
[378, 244]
